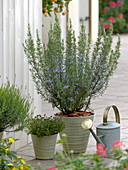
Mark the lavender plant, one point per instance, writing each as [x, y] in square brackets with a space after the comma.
[14, 107]
[69, 76]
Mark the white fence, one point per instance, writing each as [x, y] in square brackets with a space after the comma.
[14, 18]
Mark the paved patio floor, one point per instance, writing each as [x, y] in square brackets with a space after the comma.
[116, 94]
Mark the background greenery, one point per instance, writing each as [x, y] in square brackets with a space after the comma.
[121, 24]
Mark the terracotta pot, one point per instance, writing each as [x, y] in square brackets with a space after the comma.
[44, 147]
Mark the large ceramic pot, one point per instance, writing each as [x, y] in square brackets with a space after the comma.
[44, 147]
[77, 137]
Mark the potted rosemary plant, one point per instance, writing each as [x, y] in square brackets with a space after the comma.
[44, 132]
[14, 108]
[70, 76]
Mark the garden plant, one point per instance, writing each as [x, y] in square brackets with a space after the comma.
[44, 126]
[44, 131]
[9, 159]
[119, 160]
[14, 107]
[69, 76]
[114, 12]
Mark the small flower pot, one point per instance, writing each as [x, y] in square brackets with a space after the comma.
[44, 147]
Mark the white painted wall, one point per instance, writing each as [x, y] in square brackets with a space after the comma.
[94, 19]
[84, 12]
[80, 8]
[74, 15]
[14, 18]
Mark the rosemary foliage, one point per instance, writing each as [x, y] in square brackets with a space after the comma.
[69, 76]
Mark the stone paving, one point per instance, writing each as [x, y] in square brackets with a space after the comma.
[116, 94]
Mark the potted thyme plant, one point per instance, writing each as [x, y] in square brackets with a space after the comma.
[70, 75]
[14, 108]
[44, 132]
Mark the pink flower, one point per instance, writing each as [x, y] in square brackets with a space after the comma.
[112, 19]
[119, 3]
[101, 150]
[118, 144]
[120, 15]
[105, 10]
[126, 167]
[107, 26]
[112, 4]
[53, 168]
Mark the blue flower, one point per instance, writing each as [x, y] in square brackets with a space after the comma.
[70, 99]
[56, 76]
[49, 81]
[91, 91]
[66, 86]
[105, 73]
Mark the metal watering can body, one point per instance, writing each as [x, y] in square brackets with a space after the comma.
[108, 132]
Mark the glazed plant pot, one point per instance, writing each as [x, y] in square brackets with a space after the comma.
[44, 147]
[77, 138]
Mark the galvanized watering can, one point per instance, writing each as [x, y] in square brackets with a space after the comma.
[108, 132]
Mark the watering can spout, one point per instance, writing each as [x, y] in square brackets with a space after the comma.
[87, 125]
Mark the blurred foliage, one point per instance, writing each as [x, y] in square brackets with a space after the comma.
[58, 6]
[121, 23]
[8, 158]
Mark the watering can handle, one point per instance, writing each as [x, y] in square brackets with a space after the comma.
[105, 116]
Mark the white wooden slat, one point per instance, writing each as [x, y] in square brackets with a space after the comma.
[1, 41]
[73, 12]
[63, 23]
[25, 62]
[37, 25]
[14, 18]
[11, 57]
[19, 57]
[94, 19]
[18, 42]
[5, 39]
[31, 22]
[84, 13]
[38, 16]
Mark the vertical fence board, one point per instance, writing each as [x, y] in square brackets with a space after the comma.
[37, 25]
[1, 41]
[26, 68]
[14, 18]
[11, 58]
[31, 22]
[5, 40]
[18, 42]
